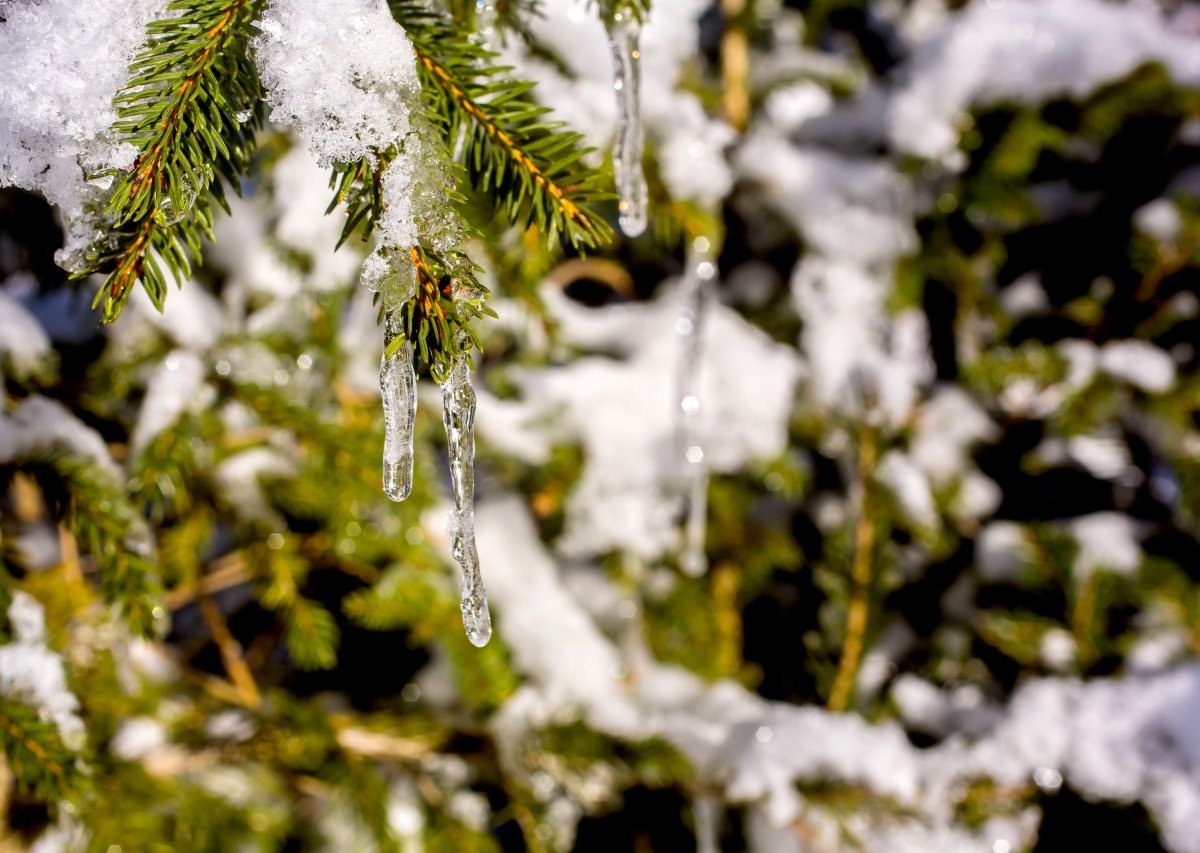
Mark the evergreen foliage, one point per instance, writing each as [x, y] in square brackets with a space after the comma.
[268, 654]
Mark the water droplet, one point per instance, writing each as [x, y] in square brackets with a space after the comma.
[173, 207]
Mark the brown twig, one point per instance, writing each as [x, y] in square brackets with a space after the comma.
[858, 614]
[735, 65]
[230, 650]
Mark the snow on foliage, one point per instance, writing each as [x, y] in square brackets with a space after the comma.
[349, 90]
[55, 135]
[346, 89]
[40, 425]
[1119, 739]
[1027, 50]
[175, 388]
[23, 342]
[32, 673]
[624, 413]
[351, 93]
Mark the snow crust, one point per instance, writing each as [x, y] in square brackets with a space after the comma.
[61, 62]
[1120, 739]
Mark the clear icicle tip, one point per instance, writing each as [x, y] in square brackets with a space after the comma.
[398, 389]
[627, 152]
[477, 620]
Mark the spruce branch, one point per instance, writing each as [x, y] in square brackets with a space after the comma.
[310, 631]
[110, 529]
[447, 295]
[191, 108]
[861, 577]
[533, 168]
[437, 318]
[38, 759]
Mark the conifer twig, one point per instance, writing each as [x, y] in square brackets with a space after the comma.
[735, 64]
[191, 108]
[858, 614]
[533, 168]
[229, 648]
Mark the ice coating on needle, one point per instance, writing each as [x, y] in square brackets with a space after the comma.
[458, 416]
[398, 384]
[697, 285]
[627, 152]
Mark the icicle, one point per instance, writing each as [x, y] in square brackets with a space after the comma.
[701, 270]
[398, 385]
[487, 29]
[627, 153]
[706, 814]
[458, 415]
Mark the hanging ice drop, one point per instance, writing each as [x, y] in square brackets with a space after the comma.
[701, 270]
[398, 387]
[458, 416]
[627, 152]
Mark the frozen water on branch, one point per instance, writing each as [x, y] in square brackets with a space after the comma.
[691, 144]
[398, 387]
[458, 416]
[627, 150]
[689, 326]
[625, 412]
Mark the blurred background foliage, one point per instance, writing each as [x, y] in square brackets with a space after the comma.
[290, 650]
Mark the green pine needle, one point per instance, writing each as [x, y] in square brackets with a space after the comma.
[533, 168]
[191, 108]
[35, 754]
